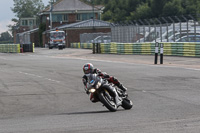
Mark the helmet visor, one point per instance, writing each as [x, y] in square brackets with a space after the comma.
[87, 71]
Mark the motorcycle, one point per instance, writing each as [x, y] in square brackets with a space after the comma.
[110, 96]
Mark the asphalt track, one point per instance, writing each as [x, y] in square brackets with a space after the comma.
[42, 92]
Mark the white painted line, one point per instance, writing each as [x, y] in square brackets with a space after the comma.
[38, 76]
[194, 69]
[109, 61]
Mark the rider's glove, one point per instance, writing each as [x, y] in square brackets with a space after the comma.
[97, 71]
[86, 90]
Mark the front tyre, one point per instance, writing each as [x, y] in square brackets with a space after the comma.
[127, 104]
[110, 105]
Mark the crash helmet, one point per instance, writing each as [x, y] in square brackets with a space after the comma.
[88, 68]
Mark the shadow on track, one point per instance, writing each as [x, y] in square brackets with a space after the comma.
[89, 112]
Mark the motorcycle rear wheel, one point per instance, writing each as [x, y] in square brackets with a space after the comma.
[110, 105]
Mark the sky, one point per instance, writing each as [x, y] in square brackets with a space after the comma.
[6, 13]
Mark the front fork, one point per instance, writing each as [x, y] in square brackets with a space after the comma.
[108, 95]
[118, 99]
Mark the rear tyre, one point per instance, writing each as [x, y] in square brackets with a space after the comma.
[110, 105]
[127, 104]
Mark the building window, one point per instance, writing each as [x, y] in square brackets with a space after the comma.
[84, 16]
[65, 18]
[59, 18]
[30, 22]
[78, 17]
[56, 18]
[24, 22]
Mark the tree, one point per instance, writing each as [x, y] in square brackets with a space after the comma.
[5, 37]
[107, 16]
[157, 7]
[173, 8]
[142, 12]
[27, 8]
[192, 6]
[42, 28]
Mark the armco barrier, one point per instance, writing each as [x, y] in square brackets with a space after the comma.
[174, 49]
[10, 48]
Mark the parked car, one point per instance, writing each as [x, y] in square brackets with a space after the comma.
[171, 33]
[101, 39]
[189, 38]
[179, 35]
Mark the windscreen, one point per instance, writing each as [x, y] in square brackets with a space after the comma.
[57, 35]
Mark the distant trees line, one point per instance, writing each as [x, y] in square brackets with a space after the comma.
[115, 10]
[126, 10]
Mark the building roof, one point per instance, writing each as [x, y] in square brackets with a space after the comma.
[71, 5]
[28, 32]
[84, 24]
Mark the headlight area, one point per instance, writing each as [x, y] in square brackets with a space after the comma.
[92, 90]
[98, 85]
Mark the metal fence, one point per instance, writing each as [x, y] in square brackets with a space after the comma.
[95, 38]
[25, 37]
[168, 29]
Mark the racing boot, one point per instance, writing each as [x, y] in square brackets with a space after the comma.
[123, 88]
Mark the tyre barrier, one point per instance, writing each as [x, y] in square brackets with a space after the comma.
[86, 45]
[10, 48]
[16, 48]
[182, 49]
[28, 47]
[128, 48]
[75, 45]
[82, 45]
[174, 49]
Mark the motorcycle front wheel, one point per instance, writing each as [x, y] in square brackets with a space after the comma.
[110, 104]
[127, 104]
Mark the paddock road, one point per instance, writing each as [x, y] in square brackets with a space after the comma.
[42, 92]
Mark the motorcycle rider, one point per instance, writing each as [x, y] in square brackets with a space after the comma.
[89, 68]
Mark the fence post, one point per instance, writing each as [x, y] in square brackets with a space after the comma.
[167, 28]
[156, 52]
[161, 53]
[33, 47]
[97, 48]
[94, 48]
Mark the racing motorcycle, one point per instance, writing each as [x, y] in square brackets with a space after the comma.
[110, 96]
